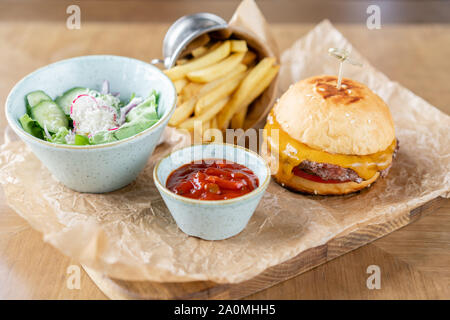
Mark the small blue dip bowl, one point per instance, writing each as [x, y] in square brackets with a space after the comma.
[212, 219]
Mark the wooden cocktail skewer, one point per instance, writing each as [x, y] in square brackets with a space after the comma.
[343, 56]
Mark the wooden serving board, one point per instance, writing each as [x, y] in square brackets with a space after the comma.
[338, 246]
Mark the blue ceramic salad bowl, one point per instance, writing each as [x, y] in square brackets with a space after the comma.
[95, 168]
[212, 219]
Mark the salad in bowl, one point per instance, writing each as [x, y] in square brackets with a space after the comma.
[91, 138]
[84, 116]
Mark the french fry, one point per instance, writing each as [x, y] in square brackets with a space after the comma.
[249, 57]
[179, 84]
[214, 123]
[198, 52]
[217, 70]
[214, 46]
[207, 48]
[213, 135]
[182, 61]
[178, 72]
[191, 90]
[197, 133]
[199, 130]
[238, 119]
[208, 87]
[196, 43]
[196, 89]
[182, 112]
[252, 78]
[222, 91]
[210, 113]
[205, 127]
[239, 46]
[217, 85]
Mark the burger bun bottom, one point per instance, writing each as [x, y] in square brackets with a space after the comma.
[299, 184]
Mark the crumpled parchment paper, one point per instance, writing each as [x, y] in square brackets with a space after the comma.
[130, 234]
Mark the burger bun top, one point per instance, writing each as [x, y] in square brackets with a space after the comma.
[352, 120]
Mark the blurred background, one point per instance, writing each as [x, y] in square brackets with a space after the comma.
[412, 46]
[276, 11]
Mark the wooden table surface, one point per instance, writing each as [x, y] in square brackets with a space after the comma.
[414, 261]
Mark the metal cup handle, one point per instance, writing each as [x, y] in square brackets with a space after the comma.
[156, 61]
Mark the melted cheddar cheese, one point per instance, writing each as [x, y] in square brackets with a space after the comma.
[292, 152]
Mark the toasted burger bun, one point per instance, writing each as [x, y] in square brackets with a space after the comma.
[307, 186]
[352, 121]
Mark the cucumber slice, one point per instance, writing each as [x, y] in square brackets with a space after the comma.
[146, 110]
[132, 128]
[48, 113]
[102, 137]
[36, 97]
[65, 101]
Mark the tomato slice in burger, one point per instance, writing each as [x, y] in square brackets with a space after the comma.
[312, 177]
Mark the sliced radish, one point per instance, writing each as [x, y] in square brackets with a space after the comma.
[89, 117]
[82, 96]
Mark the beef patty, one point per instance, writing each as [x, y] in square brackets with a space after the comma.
[328, 171]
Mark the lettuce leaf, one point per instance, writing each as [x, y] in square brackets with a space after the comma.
[31, 126]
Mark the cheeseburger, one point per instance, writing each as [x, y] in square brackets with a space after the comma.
[323, 140]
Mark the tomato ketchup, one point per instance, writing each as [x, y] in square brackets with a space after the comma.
[212, 179]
